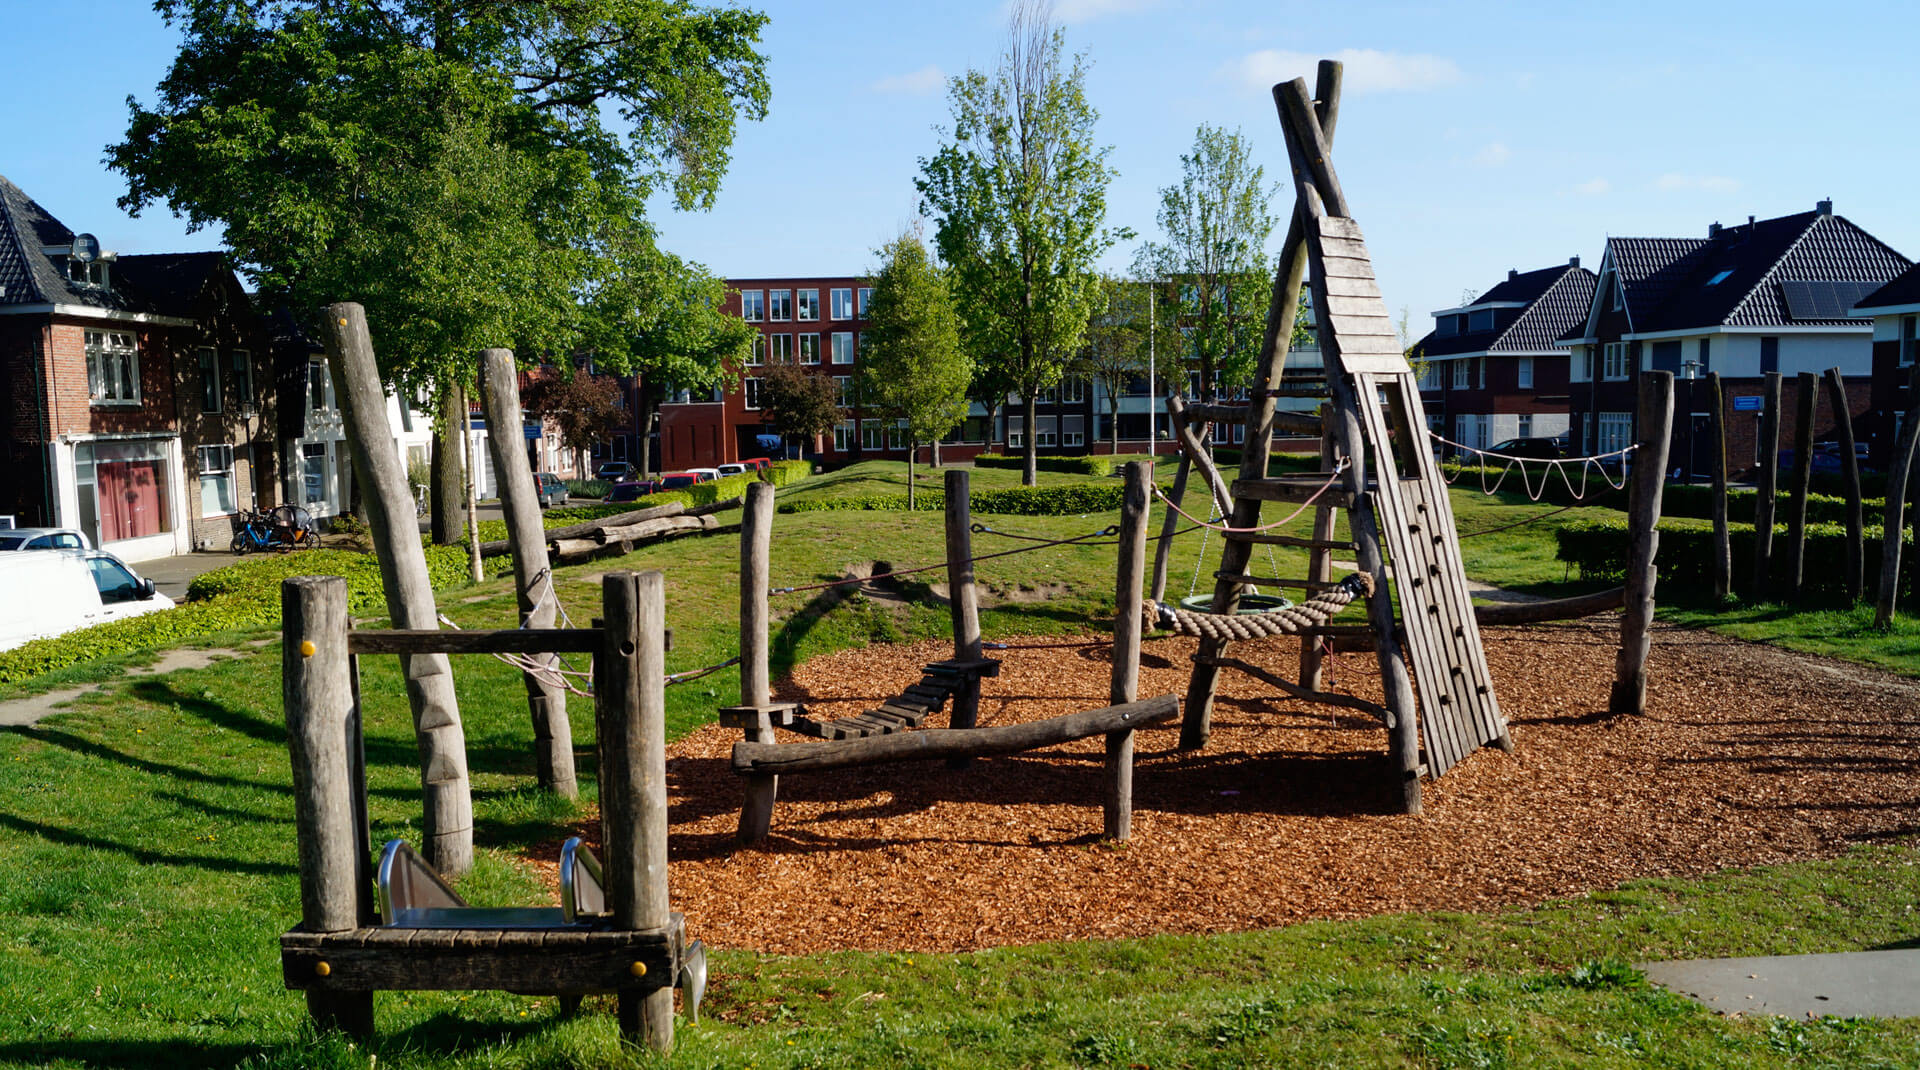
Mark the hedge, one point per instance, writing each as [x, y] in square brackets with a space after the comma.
[1684, 560]
[1015, 501]
[241, 595]
[1696, 500]
[1090, 465]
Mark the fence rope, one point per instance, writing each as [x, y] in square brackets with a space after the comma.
[1550, 465]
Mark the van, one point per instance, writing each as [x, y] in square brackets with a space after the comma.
[44, 593]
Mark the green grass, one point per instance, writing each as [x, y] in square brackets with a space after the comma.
[148, 854]
[1837, 632]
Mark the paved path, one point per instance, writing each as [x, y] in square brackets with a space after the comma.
[1857, 984]
[28, 710]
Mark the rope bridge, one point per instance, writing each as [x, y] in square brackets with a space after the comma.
[1288, 620]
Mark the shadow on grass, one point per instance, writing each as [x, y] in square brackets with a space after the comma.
[134, 1054]
[69, 741]
[142, 855]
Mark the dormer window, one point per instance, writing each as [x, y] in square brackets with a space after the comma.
[1480, 320]
[87, 273]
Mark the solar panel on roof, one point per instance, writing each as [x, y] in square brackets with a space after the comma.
[1823, 299]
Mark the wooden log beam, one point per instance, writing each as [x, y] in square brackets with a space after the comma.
[586, 528]
[504, 641]
[648, 529]
[1196, 450]
[1170, 523]
[1124, 685]
[1585, 605]
[557, 961]
[1294, 490]
[963, 600]
[1320, 561]
[1893, 516]
[1262, 538]
[1329, 698]
[756, 683]
[1654, 423]
[762, 759]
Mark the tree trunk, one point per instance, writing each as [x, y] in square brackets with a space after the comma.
[1029, 439]
[449, 507]
[447, 826]
[1113, 425]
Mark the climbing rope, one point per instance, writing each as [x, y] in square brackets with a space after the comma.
[1549, 466]
[1289, 620]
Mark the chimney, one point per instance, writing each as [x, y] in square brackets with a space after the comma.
[1512, 274]
[1823, 207]
[1713, 231]
[1749, 226]
[1573, 261]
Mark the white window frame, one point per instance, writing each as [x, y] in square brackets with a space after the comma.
[1077, 438]
[113, 369]
[843, 347]
[750, 393]
[1523, 374]
[779, 306]
[1615, 432]
[1480, 369]
[809, 349]
[865, 295]
[843, 390]
[1073, 391]
[806, 305]
[1523, 425]
[1615, 357]
[873, 435]
[93, 274]
[1461, 375]
[779, 348]
[1430, 381]
[215, 466]
[840, 302]
[753, 306]
[757, 352]
[897, 436]
[843, 436]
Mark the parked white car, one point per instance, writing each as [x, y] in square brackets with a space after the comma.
[734, 470]
[44, 593]
[43, 539]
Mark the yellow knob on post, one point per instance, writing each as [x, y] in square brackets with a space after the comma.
[321, 969]
[306, 648]
[638, 969]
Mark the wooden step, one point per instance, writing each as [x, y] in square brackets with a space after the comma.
[1295, 489]
[778, 713]
[911, 716]
[965, 667]
[807, 726]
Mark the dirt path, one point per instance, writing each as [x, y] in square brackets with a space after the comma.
[29, 710]
[1749, 755]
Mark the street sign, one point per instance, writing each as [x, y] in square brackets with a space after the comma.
[1749, 403]
[532, 431]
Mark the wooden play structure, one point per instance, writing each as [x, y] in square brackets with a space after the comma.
[399, 926]
[887, 733]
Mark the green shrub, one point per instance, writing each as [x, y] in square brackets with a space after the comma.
[588, 488]
[1696, 500]
[1598, 548]
[1014, 501]
[1090, 465]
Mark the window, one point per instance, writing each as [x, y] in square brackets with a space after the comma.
[897, 436]
[209, 362]
[843, 390]
[809, 304]
[1461, 370]
[842, 307]
[1470, 430]
[216, 479]
[1430, 376]
[751, 388]
[1073, 391]
[843, 437]
[1481, 320]
[866, 294]
[1445, 326]
[1616, 431]
[1045, 438]
[1523, 374]
[1480, 368]
[1015, 440]
[1615, 360]
[87, 273]
[1073, 431]
[873, 435]
[313, 473]
[757, 354]
[782, 305]
[114, 582]
[809, 348]
[1586, 432]
[316, 386]
[1769, 354]
[1908, 340]
[753, 306]
[843, 347]
[113, 368]
[242, 362]
[1580, 368]
[780, 348]
[123, 489]
[1719, 276]
[1619, 293]
[1524, 426]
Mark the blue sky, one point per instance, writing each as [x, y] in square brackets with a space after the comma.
[1473, 138]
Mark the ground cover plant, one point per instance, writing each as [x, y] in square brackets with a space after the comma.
[149, 858]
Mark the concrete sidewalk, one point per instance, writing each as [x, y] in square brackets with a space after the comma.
[170, 575]
[1855, 984]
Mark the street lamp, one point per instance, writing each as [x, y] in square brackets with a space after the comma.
[1688, 370]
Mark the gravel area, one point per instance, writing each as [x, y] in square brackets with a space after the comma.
[1749, 755]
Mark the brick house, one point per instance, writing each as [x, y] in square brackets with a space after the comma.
[1895, 309]
[1769, 295]
[1494, 368]
[141, 389]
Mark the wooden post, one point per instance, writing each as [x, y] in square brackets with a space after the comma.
[630, 705]
[1319, 560]
[1766, 487]
[1850, 472]
[474, 569]
[1163, 552]
[756, 689]
[1893, 520]
[1717, 471]
[963, 599]
[1128, 623]
[317, 690]
[1802, 478]
[532, 573]
[1654, 422]
[447, 825]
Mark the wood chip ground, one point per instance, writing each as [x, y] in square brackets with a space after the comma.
[1750, 755]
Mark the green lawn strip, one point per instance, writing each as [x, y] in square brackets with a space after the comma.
[1838, 632]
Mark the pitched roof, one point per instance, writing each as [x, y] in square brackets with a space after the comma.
[155, 283]
[1554, 299]
[1903, 290]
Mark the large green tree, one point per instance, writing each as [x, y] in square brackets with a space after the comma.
[798, 403]
[1123, 341]
[474, 172]
[1018, 193]
[1216, 222]
[912, 367]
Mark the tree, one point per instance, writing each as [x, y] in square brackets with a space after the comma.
[797, 402]
[1018, 194]
[913, 368]
[474, 172]
[1123, 341]
[582, 405]
[1217, 224]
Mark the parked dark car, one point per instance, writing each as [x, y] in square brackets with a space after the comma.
[616, 472]
[551, 489]
[1545, 449]
[1826, 459]
[633, 491]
